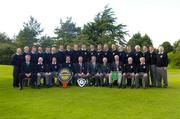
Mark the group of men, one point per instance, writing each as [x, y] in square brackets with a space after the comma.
[101, 66]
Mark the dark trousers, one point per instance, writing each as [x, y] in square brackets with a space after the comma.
[94, 80]
[16, 72]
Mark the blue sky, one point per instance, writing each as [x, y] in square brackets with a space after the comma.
[160, 19]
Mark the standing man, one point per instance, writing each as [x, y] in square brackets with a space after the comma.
[152, 66]
[122, 55]
[92, 52]
[99, 54]
[137, 55]
[129, 53]
[26, 52]
[84, 53]
[75, 53]
[114, 51]
[17, 61]
[61, 55]
[40, 52]
[107, 53]
[47, 56]
[68, 51]
[162, 63]
[34, 56]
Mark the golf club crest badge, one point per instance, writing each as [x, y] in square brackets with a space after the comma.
[81, 82]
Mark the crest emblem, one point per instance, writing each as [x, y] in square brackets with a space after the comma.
[81, 82]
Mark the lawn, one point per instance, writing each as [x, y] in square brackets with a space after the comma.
[89, 102]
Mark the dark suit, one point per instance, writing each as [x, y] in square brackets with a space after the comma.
[16, 62]
[84, 54]
[25, 69]
[94, 71]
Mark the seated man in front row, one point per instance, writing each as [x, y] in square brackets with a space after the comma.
[69, 65]
[42, 71]
[105, 71]
[80, 69]
[141, 72]
[93, 72]
[116, 72]
[27, 72]
[54, 68]
[129, 73]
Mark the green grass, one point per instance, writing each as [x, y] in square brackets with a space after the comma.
[89, 102]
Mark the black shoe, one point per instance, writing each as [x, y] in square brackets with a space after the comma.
[110, 85]
[132, 86]
[159, 86]
[20, 88]
[165, 86]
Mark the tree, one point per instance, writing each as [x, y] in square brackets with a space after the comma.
[30, 32]
[176, 45]
[104, 28]
[67, 30]
[167, 46]
[46, 41]
[4, 38]
[138, 39]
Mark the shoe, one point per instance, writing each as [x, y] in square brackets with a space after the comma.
[110, 85]
[165, 86]
[20, 88]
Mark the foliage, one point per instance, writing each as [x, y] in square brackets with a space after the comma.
[167, 46]
[29, 34]
[104, 29]
[138, 39]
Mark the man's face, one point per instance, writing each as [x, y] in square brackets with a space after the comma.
[130, 60]
[53, 59]
[116, 58]
[26, 49]
[33, 49]
[48, 50]
[40, 49]
[145, 48]
[19, 51]
[75, 47]
[68, 59]
[105, 47]
[151, 49]
[40, 60]
[142, 60]
[113, 47]
[83, 46]
[61, 47]
[104, 60]
[92, 47]
[93, 59]
[99, 47]
[27, 58]
[80, 59]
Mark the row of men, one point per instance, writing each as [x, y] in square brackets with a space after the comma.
[99, 52]
[98, 73]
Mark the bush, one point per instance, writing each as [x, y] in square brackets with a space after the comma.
[6, 52]
[174, 59]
